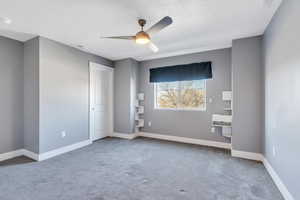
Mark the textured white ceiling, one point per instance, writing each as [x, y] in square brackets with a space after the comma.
[198, 24]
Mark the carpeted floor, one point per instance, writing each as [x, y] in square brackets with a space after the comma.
[140, 169]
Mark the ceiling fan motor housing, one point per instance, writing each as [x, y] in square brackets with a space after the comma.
[142, 22]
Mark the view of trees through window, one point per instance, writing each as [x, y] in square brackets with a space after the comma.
[181, 95]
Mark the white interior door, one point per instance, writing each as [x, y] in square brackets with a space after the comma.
[101, 101]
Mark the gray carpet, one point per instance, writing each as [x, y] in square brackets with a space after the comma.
[141, 169]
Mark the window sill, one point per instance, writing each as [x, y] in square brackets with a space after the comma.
[180, 109]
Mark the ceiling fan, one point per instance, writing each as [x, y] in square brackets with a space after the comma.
[143, 37]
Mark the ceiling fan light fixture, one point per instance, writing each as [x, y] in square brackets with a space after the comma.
[142, 38]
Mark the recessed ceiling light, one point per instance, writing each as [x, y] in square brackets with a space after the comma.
[5, 20]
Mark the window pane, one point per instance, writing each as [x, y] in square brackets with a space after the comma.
[192, 95]
[181, 95]
[167, 95]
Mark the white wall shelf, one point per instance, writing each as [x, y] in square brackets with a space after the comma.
[139, 111]
[227, 96]
[224, 121]
[140, 123]
[141, 96]
[222, 126]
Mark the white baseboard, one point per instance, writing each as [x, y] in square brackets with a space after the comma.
[247, 155]
[173, 138]
[128, 136]
[11, 154]
[62, 150]
[222, 145]
[259, 157]
[282, 188]
[30, 154]
[240, 154]
[46, 155]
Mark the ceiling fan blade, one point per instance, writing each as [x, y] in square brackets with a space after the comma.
[163, 23]
[121, 37]
[153, 47]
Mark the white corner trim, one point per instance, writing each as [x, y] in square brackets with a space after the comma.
[259, 157]
[282, 188]
[240, 154]
[63, 150]
[247, 155]
[186, 140]
[128, 136]
[30, 154]
[46, 155]
[11, 154]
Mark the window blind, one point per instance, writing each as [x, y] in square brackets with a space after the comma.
[187, 72]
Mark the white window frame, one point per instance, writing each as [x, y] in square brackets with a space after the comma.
[179, 109]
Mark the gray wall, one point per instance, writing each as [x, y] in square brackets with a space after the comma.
[11, 99]
[134, 79]
[64, 94]
[121, 96]
[190, 124]
[247, 81]
[282, 94]
[44, 91]
[125, 89]
[31, 95]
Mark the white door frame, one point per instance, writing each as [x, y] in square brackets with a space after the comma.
[93, 65]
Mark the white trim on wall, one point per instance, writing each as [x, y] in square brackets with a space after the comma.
[247, 155]
[46, 155]
[11, 154]
[209, 143]
[62, 150]
[30, 154]
[128, 136]
[259, 157]
[280, 185]
[186, 140]
[240, 154]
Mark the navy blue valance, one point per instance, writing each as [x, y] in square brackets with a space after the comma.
[188, 72]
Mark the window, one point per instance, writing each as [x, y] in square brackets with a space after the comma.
[180, 95]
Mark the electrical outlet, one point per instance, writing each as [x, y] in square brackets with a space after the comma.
[274, 151]
[63, 134]
[213, 129]
[149, 123]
